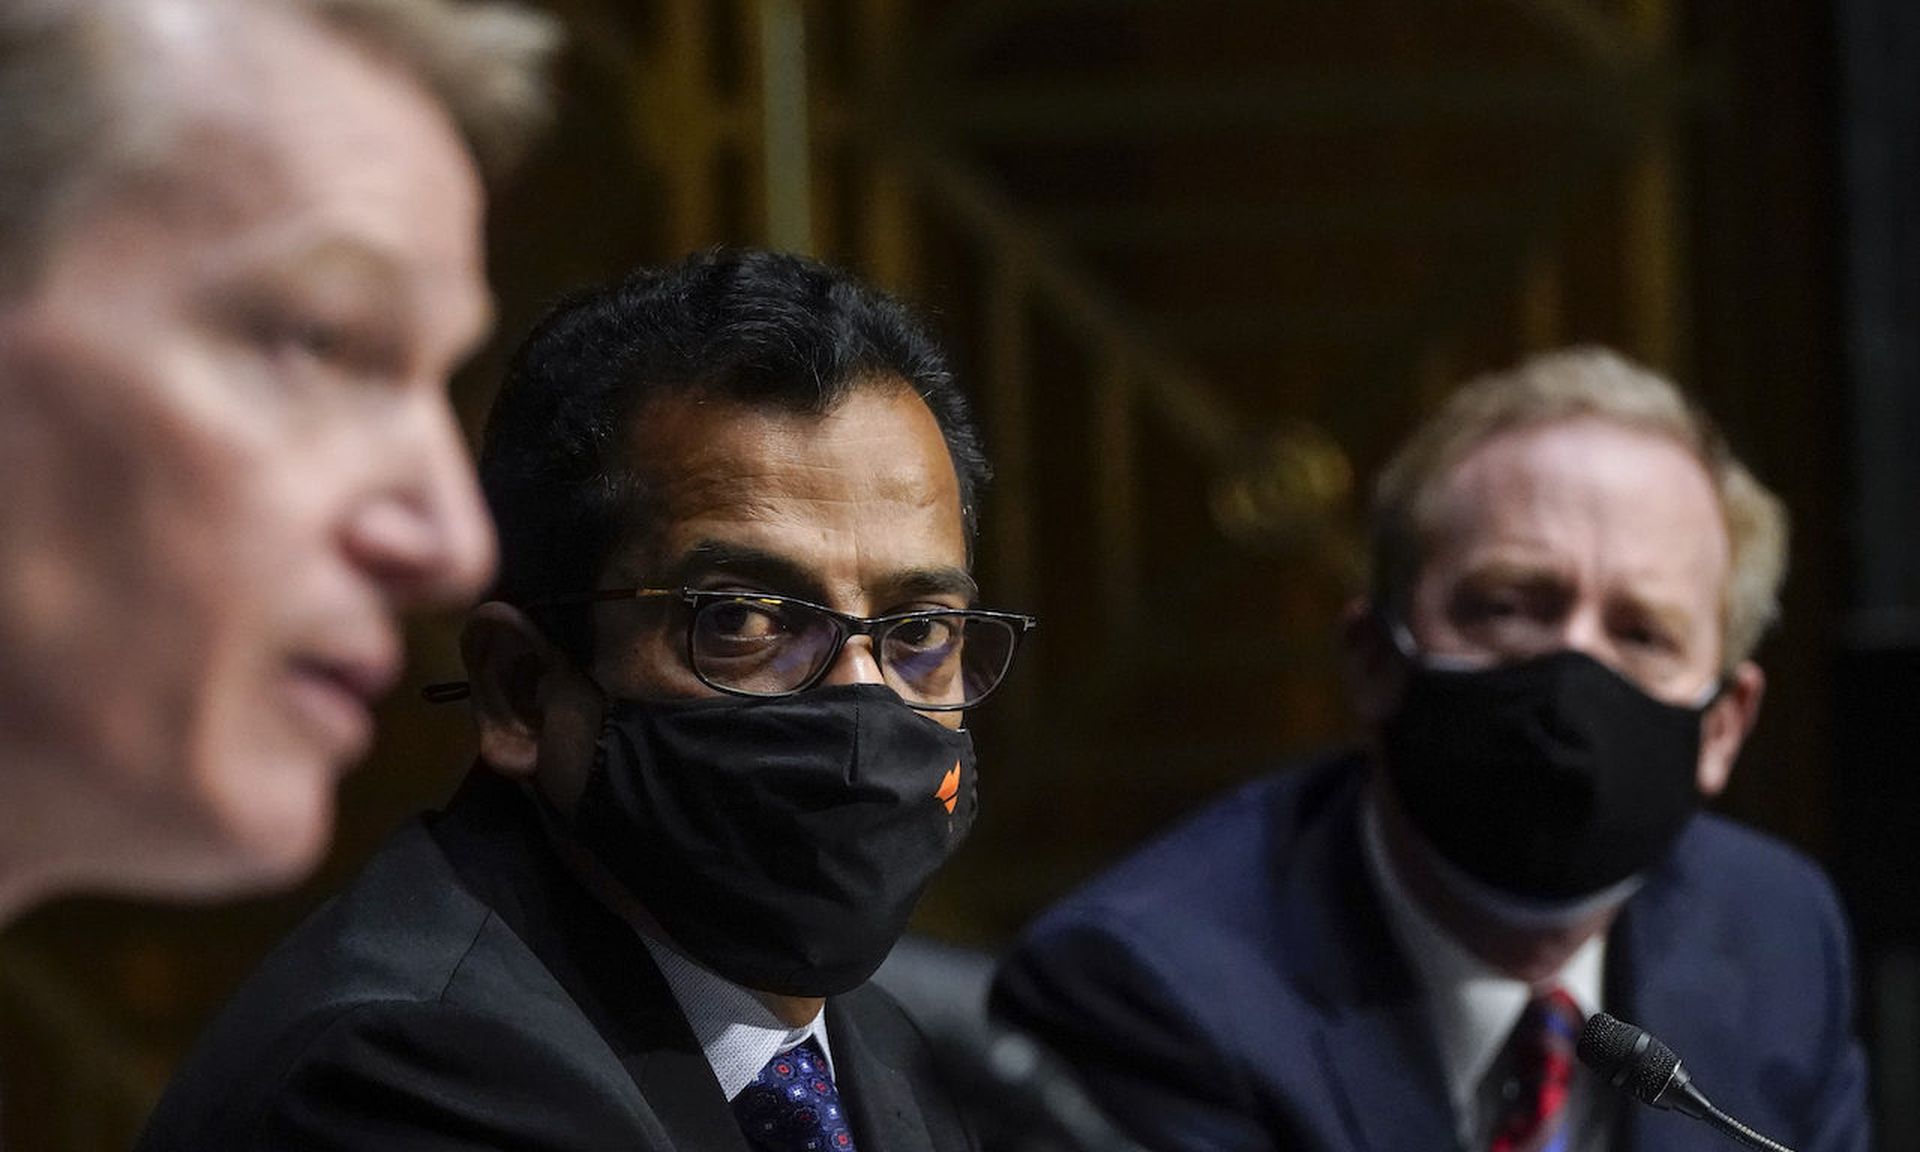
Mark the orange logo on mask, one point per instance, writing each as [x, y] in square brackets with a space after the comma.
[949, 793]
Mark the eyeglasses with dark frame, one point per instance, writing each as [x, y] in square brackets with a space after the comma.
[766, 645]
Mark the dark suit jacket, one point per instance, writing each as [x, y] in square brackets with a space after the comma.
[1235, 986]
[466, 993]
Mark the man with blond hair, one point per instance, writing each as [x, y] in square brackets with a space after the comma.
[240, 255]
[1392, 948]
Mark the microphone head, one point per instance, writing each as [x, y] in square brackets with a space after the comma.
[1628, 1058]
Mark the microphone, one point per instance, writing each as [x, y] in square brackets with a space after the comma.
[1632, 1061]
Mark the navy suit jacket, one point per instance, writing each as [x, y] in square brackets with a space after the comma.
[466, 993]
[1235, 986]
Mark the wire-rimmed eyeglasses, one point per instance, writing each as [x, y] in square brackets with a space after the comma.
[761, 644]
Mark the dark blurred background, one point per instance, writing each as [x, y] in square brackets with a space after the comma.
[1204, 262]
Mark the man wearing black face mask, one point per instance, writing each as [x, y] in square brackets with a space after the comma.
[719, 697]
[1392, 949]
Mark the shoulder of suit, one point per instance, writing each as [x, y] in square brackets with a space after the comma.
[405, 931]
[388, 980]
[1220, 851]
[400, 931]
[1738, 869]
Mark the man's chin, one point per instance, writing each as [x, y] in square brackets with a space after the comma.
[1519, 912]
[1484, 902]
[267, 830]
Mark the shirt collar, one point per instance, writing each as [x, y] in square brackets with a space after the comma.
[737, 1032]
[1471, 1005]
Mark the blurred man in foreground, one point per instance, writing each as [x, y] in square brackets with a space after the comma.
[240, 255]
[1395, 948]
[720, 699]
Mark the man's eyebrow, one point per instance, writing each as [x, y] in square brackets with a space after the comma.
[340, 278]
[781, 574]
[380, 273]
[943, 580]
[778, 573]
[1510, 572]
[369, 277]
[336, 262]
[1667, 613]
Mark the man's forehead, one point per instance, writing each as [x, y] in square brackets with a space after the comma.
[208, 60]
[1588, 461]
[707, 446]
[1577, 493]
[793, 480]
[287, 154]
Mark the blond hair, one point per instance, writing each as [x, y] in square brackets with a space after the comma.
[485, 62]
[67, 111]
[1568, 385]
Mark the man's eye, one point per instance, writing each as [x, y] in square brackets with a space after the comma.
[304, 342]
[289, 334]
[742, 621]
[321, 341]
[1650, 638]
[927, 634]
[1491, 606]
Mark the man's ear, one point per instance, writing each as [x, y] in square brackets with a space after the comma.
[510, 667]
[1374, 672]
[1726, 724]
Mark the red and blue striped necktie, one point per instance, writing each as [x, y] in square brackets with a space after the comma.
[1539, 1073]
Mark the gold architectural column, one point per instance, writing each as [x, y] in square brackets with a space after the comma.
[1654, 238]
[886, 211]
[786, 139]
[686, 123]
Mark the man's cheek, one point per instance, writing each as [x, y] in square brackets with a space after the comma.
[653, 664]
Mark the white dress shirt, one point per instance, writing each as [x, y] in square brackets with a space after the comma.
[1473, 1008]
[737, 1032]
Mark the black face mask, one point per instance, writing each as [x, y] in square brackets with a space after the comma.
[782, 843]
[1550, 779]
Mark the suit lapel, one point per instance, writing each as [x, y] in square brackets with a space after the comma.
[651, 1036]
[1374, 1042]
[1679, 985]
[678, 1084]
[878, 1097]
[495, 841]
[1387, 1078]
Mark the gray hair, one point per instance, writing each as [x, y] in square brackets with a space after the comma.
[1567, 385]
[67, 109]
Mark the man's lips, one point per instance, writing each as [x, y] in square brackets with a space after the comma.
[335, 695]
[368, 677]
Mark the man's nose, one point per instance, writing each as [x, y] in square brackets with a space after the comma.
[855, 664]
[425, 534]
[1585, 632]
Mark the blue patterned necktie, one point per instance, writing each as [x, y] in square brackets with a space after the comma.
[792, 1106]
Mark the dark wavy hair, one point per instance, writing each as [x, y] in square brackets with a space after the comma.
[763, 329]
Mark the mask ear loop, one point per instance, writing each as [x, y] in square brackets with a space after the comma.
[1403, 642]
[551, 817]
[1401, 637]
